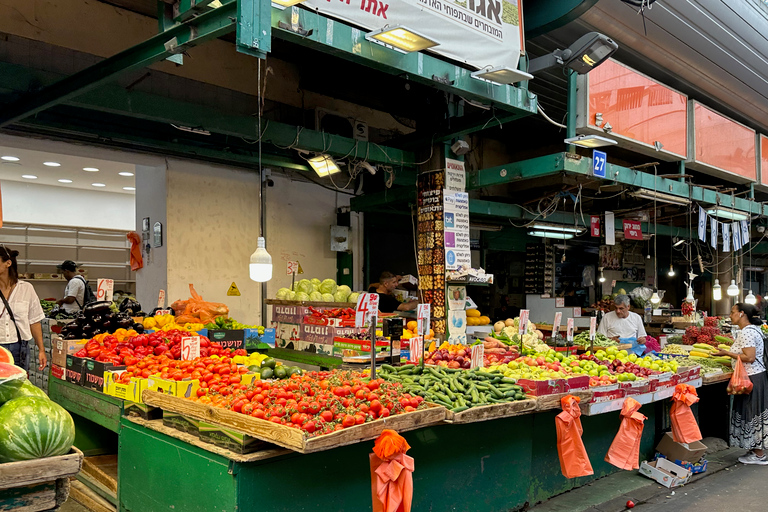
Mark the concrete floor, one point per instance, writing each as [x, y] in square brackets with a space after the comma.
[72, 506]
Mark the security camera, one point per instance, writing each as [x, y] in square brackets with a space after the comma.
[460, 147]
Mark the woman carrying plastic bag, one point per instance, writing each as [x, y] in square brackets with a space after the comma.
[749, 416]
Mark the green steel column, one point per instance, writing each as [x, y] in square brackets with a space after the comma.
[681, 170]
[570, 130]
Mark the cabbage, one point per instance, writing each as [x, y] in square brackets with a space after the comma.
[301, 296]
[328, 286]
[328, 297]
[340, 296]
[316, 287]
[315, 281]
[290, 296]
[282, 293]
[344, 292]
[304, 286]
[353, 297]
[316, 297]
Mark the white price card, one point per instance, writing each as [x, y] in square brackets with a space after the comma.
[161, 312]
[423, 313]
[190, 347]
[477, 354]
[592, 328]
[367, 310]
[105, 289]
[560, 302]
[417, 350]
[524, 313]
[293, 267]
[556, 324]
[161, 299]
[569, 332]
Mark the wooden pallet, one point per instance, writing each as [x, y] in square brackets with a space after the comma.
[549, 402]
[492, 412]
[293, 438]
[714, 379]
[38, 471]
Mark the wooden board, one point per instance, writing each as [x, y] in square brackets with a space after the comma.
[492, 412]
[29, 499]
[714, 379]
[89, 499]
[31, 472]
[102, 469]
[275, 302]
[549, 402]
[293, 438]
[157, 426]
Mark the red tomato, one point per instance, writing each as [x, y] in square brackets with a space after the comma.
[202, 392]
[326, 416]
[384, 413]
[247, 408]
[258, 413]
[348, 421]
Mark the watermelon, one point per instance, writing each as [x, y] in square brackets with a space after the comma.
[32, 427]
[5, 355]
[20, 387]
[10, 372]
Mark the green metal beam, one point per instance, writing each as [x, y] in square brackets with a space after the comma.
[545, 16]
[210, 25]
[371, 202]
[527, 169]
[349, 43]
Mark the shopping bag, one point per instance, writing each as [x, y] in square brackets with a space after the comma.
[624, 452]
[574, 461]
[391, 474]
[137, 261]
[740, 384]
[636, 347]
[684, 426]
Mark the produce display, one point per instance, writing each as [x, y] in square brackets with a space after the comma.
[196, 310]
[709, 334]
[318, 402]
[168, 323]
[315, 290]
[674, 349]
[98, 318]
[228, 324]
[410, 331]
[474, 317]
[496, 352]
[449, 356]
[708, 365]
[209, 370]
[47, 306]
[508, 333]
[454, 389]
[704, 351]
[601, 340]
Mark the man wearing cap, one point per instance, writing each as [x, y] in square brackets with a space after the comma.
[74, 293]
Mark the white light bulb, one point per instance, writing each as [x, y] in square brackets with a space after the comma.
[655, 299]
[717, 291]
[690, 298]
[261, 263]
[750, 298]
[732, 290]
[671, 272]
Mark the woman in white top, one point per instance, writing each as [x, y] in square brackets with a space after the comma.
[749, 417]
[22, 323]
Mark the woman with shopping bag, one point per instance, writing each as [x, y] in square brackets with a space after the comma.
[749, 417]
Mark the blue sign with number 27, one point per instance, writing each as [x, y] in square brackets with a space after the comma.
[598, 163]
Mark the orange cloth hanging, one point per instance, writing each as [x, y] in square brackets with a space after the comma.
[391, 474]
[574, 461]
[624, 452]
[137, 261]
[684, 426]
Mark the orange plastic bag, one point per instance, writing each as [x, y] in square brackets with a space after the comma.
[197, 310]
[391, 474]
[624, 452]
[740, 384]
[684, 426]
[137, 262]
[574, 461]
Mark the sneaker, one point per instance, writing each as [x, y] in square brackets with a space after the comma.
[754, 459]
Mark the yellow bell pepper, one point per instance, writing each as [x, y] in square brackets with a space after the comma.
[150, 323]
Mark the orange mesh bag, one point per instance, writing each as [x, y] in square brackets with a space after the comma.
[624, 452]
[196, 310]
[574, 461]
[684, 426]
[391, 474]
[740, 384]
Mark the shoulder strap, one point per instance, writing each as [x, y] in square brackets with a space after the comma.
[85, 285]
[10, 313]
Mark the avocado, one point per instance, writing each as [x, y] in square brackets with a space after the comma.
[294, 370]
[268, 363]
[267, 373]
[280, 372]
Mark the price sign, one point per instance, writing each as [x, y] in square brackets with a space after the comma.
[599, 162]
[161, 299]
[594, 225]
[190, 347]
[559, 302]
[569, 333]
[161, 312]
[423, 318]
[524, 313]
[105, 289]
[592, 328]
[417, 349]
[293, 267]
[477, 354]
[367, 310]
[556, 324]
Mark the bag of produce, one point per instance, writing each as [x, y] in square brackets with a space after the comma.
[740, 383]
[684, 426]
[391, 473]
[624, 452]
[196, 310]
[574, 461]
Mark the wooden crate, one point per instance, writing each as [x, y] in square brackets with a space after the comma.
[492, 412]
[719, 377]
[549, 402]
[40, 484]
[293, 438]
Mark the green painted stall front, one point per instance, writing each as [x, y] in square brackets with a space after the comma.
[492, 466]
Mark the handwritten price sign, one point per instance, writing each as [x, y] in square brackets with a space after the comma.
[190, 347]
[293, 267]
[423, 317]
[367, 310]
[417, 350]
[105, 289]
[569, 335]
[592, 328]
[161, 299]
[523, 321]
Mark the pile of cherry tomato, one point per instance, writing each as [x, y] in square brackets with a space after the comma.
[316, 402]
[212, 372]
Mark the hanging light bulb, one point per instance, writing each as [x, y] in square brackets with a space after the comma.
[732, 290]
[750, 298]
[602, 277]
[671, 272]
[717, 291]
[655, 299]
[261, 263]
[690, 298]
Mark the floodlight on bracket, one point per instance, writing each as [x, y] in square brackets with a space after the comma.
[588, 52]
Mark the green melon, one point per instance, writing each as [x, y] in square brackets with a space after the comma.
[32, 427]
[6, 356]
[20, 387]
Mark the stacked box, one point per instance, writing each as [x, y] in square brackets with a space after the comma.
[229, 439]
[182, 423]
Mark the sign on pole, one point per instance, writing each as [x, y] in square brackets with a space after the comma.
[105, 289]
[423, 313]
[161, 299]
[367, 310]
[599, 163]
[417, 349]
[524, 313]
[190, 347]
[569, 333]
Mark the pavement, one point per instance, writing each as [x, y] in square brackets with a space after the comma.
[72, 506]
[727, 484]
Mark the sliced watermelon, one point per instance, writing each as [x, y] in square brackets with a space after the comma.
[6, 356]
[11, 372]
[20, 387]
[32, 428]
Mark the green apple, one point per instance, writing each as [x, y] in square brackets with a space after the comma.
[594, 373]
[633, 357]
[623, 352]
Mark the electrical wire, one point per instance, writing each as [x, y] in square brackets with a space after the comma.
[544, 114]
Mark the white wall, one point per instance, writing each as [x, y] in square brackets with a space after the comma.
[28, 203]
[151, 202]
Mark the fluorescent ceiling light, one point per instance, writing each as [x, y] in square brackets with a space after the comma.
[324, 165]
[754, 269]
[725, 213]
[129, 188]
[125, 173]
[65, 181]
[484, 227]
[660, 196]
[557, 227]
[401, 38]
[590, 141]
[551, 234]
[502, 75]
[29, 177]
[98, 184]
[9, 158]
[90, 169]
[52, 164]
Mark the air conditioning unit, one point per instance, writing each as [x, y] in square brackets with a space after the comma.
[336, 123]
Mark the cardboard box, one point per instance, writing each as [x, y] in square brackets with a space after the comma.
[314, 348]
[695, 469]
[229, 439]
[74, 369]
[579, 383]
[288, 314]
[253, 339]
[144, 411]
[234, 339]
[61, 348]
[665, 472]
[180, 388]
[131, 392]
[543, 387]
[607, 393]
[324, 334]
[58, 372]
[637, 387]
[181, 423]
[93, 373]
[691, 452]
[347, 347]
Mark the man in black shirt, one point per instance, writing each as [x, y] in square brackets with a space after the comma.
[388, 303]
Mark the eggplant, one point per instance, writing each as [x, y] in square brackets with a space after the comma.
[107, 325]
[110, 317]
[87, 328]
[130, 306]
[97, 319]
[71, 336]
[81, 319]
[125, 322]
[97, 308]
[98, 331]
[138, 328]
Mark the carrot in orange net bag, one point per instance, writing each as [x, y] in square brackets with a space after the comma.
[624, 452]
[684, 426]
[574, 461]
[196, 310]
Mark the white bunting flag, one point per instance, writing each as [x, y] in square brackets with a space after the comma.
[713, 232]
[726, 237]
[744, 232]
[736, 228]
[702, 224]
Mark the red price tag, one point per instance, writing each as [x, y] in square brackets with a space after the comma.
[423, 318]
[293, 267]
[161, 299]
[595, 225]
[161, 312]
[190, 347]
[105, 289]
[523, 321]
[477, 354]
[417, 349]
[367, 310]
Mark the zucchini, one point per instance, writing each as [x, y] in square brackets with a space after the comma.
[460, 408]
[388, 368]
[496, 393]
[406, 367]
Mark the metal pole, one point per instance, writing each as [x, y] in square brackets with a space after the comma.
[373, 349]
[570, 122]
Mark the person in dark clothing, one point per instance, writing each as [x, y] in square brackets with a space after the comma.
[388, 303]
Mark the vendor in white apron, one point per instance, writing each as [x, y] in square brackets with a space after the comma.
[624, 326]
